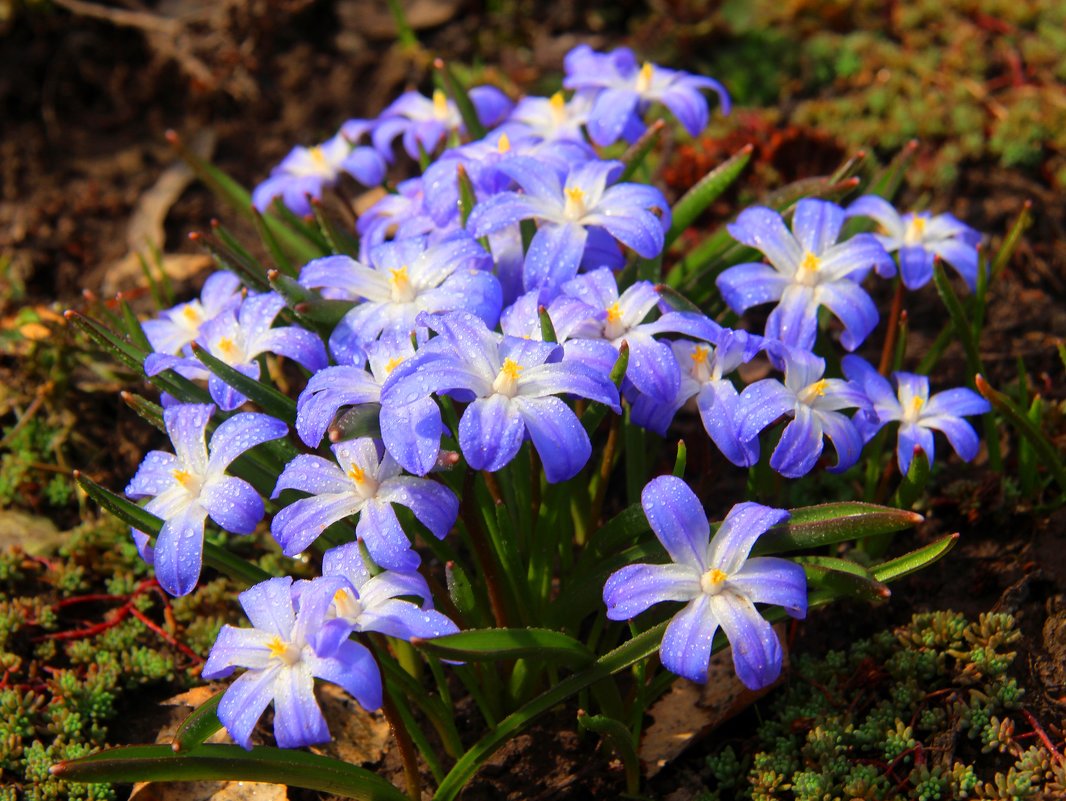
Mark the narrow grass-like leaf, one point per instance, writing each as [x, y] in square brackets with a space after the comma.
[507, 644]
[547, 328]
[843, 577]
[358, 421]
[215, 762]
[812, 527]
[457, 92]
[133, 326]
[151, 413]
[1025, 428]
[708, 189]
[620, 739]
[267, 398]
[959, 321]
[595, 412]
[200, 724]
[635, 155]
[282, 261]
[915, 560]
[467, 196]
[913, 484]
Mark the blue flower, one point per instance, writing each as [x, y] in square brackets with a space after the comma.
[623, 90]
[282, 663]
[578, 219]
[510, 385]
[191, 484]
[918, 414]
[720, 584]
[399, 215]
[378, 602]
[366, 483]
[919, 238]
[550, 119]
[347, 385]
[704, 368]
[178, 327]
[808, 269]
[237, 338]
[652, 369]
[426, 122]
[307, 170]
[813, 403]
[405, 278]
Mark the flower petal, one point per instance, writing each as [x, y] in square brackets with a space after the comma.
[634, 588]
[678, 520]
[233, 504]
[769, 580]
[490, 432]
[757, 652]
[244, 702]
[689, 639]
[557, 434]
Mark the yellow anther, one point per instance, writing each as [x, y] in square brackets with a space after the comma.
[711, 582]
[400, 282]
[340, 596]
[511, 369]
[917, 403]
[644, 77]
[319, 157]
[440, 104]
[614, 312]
[357, 474]
[817, 389]
[558, 102]
[393, 363]
[399, 277]
[699, 355]
[228, 348]
[284, 651]
[575, 202]
[504, 145]
[810, 262]
[915, 230]
[183, 477]
[192, 314]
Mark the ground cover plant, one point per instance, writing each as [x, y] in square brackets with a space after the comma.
[580, 316]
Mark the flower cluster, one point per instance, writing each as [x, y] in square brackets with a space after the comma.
[488, 308]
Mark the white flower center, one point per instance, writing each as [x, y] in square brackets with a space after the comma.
[400, 286]
[347, 605]
[810, 393]
[701, 363]
[506, 382]
[713, 581]
[644, 77]
[557, 104]
[912, 410]
[575, 207]
[807, 274]
[365, 485]
[285, 652]
[231, 351]
[440, 105]
[614, 326]
[914, 233]
[189, 480]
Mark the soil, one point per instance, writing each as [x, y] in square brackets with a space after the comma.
[88, 91]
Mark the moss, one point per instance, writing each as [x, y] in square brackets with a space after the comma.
[909, 714]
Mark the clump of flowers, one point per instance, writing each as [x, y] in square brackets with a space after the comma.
[445, 392]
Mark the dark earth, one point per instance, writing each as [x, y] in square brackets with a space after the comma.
[88, 90]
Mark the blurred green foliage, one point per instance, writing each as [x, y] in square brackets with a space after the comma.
[929, 711]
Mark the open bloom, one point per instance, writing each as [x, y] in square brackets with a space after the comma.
[813, 403]
[623, 90]
[579, 218]
[550, 119]
[237, 337]
[720, 584]
[282, 663]
[918, 414]
[177, 327]
[511, 387]
[405, 278]
[808, 269]
[425, 122]
[378, 602]
[400, 215]
[364, 482]
[919, 238]
[307, 170]
[191, 484]
[704, 371]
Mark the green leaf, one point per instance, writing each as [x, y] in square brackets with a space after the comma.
[267, 398]
[619, 738]
[467, 195]
[813, 527]
[151, 413]
[959, 321]
[457, 92]
[270, 242]
[1040, 443]
[358, 421]
[708, 189]
[211, 762]
[915, 560]
[201, 723]
[324, 311]
[843, 577]
[635, 155]
[547, 328]
[682, 459]
[913, 484]
[595, 412]
[507, 644]
[133, 326]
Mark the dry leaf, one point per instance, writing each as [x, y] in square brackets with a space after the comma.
[690, 711]
[359, 737]
[33, 534]
[180, 707]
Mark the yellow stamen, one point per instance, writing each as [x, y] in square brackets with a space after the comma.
[393, 363]
[817, 389]
[699, 355]
[357, 474]
[284, 651]
[192, 314]
[440, 104]
[319, 158]
[810, 262]
[507, 379]
[614, 312]
[711, 582]
[916, 405]
[400, 282]
[575, 203]
[183, 477]
[511, 369]
[558, 102]
[644, 77]
[504, 145]
[228, 348]
[915, 230]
